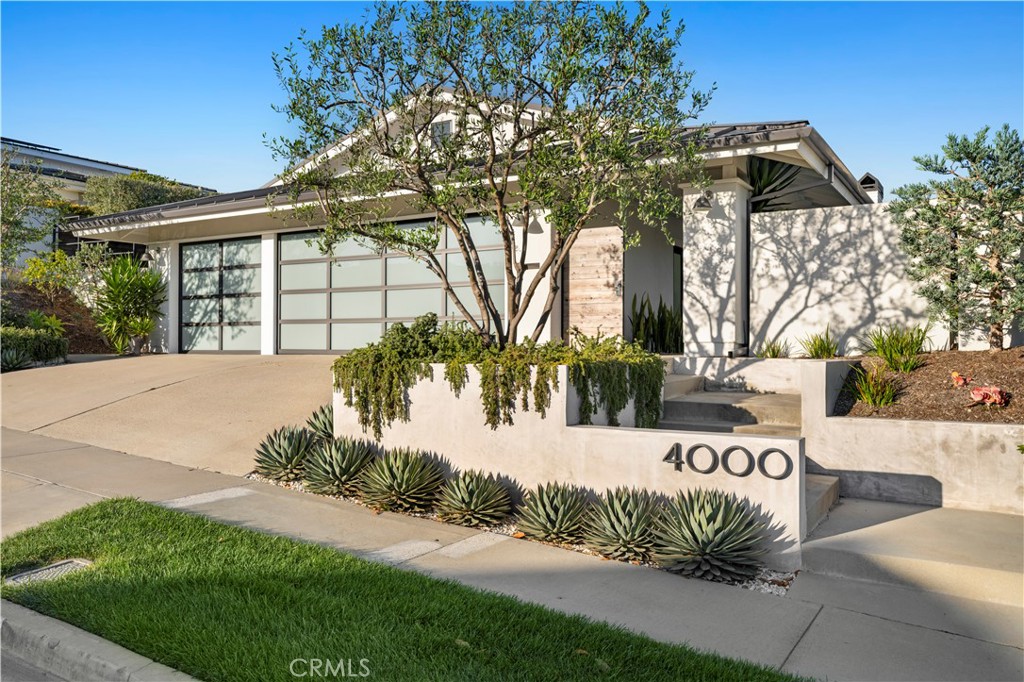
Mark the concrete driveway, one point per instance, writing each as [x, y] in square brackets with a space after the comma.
[203, 411]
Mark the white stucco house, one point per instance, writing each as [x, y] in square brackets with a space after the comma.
[242, 279]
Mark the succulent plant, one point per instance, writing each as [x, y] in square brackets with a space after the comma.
[321, 422]
[12, 359]
[554, 512]
[402, 480]
[622, 524]
[711, 535]
[473, 499]
[282, 454]
[334, 466]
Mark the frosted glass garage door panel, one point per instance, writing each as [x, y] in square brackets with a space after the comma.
[246, 252]
[414, 302]
[195, 256]
[200, 283]
[354, 335]
[304, 276]
[351, 247]
[303, 306]
[200, 310]
[492, 262]
[408, 271]
[238, 337]
[303, 337]
[356, 273]
[483, 232]
[294, 246]
[200, 338]
[355, 305]
[242, 281]
[465, 295]
[242, 309]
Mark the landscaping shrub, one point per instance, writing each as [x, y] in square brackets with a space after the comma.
[709, 534]
[321, 422]
[40, 345]
[820, 346]
[402, 480]
[554, 512]
[473, 499]
[658, 331]
[129, 303]
[282, 455]
[773, 348]
[606, 372]
[622, 524]
[12, 359]
[37, 319]
[334, 466]
[874, 386]
[899, 347]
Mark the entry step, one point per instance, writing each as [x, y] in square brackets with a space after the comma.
[734, 406]
[718, 426]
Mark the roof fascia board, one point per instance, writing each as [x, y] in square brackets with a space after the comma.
[72, 160]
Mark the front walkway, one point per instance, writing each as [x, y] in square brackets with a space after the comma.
[205, 411]
[826, 627]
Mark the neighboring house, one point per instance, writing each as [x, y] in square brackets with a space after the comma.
[244, 280]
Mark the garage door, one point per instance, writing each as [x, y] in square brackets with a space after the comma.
[220, 296]
[347, 300]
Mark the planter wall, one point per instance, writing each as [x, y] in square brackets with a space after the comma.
[964, 465]
[537, 450]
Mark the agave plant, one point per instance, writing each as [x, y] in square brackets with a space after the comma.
[334, 466]
[554, 512]
[622, 524]
[282, 455]
[474, 499]
[12, 359]
[711, 535]
[321, 422]
[402, 480]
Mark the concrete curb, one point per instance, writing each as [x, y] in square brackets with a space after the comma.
[74, 654]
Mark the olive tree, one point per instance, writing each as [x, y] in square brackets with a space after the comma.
[964, 232]
[555, 112]
[26, 195]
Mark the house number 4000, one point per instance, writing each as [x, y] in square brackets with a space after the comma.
[736, 460]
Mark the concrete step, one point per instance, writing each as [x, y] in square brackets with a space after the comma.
[821, 494]
[718, 426]
[735, 406]
[682, 384]
[967, 554]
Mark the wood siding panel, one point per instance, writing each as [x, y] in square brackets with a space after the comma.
[594, 268]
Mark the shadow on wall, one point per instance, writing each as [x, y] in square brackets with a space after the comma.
[840, 266]
[709, 282]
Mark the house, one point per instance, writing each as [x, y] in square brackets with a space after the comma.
[244, 278]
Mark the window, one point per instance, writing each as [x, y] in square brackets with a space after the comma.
[440, 131]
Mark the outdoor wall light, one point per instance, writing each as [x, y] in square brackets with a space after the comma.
[703, 203]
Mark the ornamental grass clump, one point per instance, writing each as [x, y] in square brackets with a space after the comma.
[773, 348]
[282, 455]
[335, 466]
[874, 386]
[402, 480]
[820, 346]
[473, 499]
[622, 524]
[554, 512]
[321, 422]
[709, 534]
[900, 348]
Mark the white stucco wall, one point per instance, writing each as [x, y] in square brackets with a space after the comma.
[164, 338]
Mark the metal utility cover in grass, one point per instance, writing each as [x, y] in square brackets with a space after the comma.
[51, 572]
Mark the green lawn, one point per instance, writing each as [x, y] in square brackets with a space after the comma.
[225, 603]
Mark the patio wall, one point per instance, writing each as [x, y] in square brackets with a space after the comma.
[537, 450]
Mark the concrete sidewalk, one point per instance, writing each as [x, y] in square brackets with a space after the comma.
[825, 627]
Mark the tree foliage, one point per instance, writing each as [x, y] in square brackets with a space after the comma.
[558, 112]
[117, 193]
[964, 232]
[129, 303]
[25, 194]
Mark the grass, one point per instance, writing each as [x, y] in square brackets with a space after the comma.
[874, 386]
[900, 348]
[225, 603]
[820, 346]
[773, 348]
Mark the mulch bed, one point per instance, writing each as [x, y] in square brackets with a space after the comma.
[928, 392]
[79, 327]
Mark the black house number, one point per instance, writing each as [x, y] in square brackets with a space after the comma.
[736, 460]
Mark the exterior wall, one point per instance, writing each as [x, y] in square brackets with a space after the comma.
[166, 260]
[950, 464]
[537, 450]
[648, 270]
[593, 292]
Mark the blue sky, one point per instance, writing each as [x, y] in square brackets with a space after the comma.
[185, 89]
